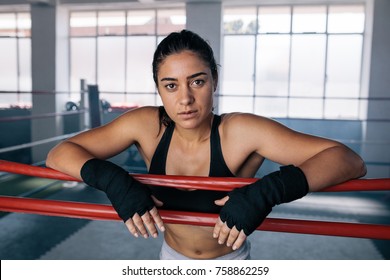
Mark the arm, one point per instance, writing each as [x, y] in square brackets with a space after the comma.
[313, 164]
[102, 142]
[325, 162]
[83, 157]
[332, 166]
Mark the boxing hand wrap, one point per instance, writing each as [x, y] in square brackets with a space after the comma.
[248, 206]
[127, 195]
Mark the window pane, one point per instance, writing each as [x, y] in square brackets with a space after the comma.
[83, 61]
[240, 20]
[271, 107]
[305, 108]
[8, 24]
[25, 83]
[341, 108]
[344, 19]
[24, 24]
[111, 66]
[170, 21]
[141, 22]
[238, 64]
[307, 65]
[139, 69]
[343, 66]
[83, 24]
[228, 104]
[111, 23]
[274, 20]
[273, 54]
[309, 19]
[8, 61]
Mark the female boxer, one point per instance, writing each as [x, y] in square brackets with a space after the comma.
[185, 137]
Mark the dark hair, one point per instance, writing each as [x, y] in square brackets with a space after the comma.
[175, 43]
[184, 40]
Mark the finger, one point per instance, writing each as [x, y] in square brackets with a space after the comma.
[157, 219]
[131, 227]
[222, 201]
[149, 223]
[223, 234]
[240, 240]
[217, 227]
[234, 233]
[158, 203]
[139, 223]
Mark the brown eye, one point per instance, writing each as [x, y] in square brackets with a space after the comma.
[170, 86]
[198, 83]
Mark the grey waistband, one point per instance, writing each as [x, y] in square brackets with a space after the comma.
[242, 253]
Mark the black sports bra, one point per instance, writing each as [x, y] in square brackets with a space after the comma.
[198, 200]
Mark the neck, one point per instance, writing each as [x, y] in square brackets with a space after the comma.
[198, 134]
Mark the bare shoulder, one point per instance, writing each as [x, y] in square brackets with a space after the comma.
[132, 126]
[145, 113]
[253, 132]
[143, 118]
[270, 138]
[247, 122]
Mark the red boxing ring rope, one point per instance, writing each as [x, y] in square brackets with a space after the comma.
[106, 212]
[191, 182]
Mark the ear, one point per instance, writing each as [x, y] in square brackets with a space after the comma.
[215, 81]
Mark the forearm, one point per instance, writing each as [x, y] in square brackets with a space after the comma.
[68, 157]
[332, 166]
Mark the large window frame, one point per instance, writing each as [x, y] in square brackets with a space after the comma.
[290, 99]
[15, 80]
[128, 30]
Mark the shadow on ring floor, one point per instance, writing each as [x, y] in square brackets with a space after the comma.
[26, 236]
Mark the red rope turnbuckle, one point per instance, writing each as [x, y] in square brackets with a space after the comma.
[106, 212]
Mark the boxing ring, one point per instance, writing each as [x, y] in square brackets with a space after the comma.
[106, 212]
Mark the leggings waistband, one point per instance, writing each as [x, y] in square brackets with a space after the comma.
[242, 253]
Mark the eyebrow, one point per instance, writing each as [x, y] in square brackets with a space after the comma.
[188, 78]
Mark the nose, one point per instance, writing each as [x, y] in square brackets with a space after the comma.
[186, 96]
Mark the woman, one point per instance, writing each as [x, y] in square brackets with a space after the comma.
[185, 138]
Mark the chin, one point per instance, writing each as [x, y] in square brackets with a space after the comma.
[188, 124]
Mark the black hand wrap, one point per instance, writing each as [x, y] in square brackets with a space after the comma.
[248, 206]
[127, 195]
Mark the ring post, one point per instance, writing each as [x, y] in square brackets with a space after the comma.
[94, 106]
[84, 117]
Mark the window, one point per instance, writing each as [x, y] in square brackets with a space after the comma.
[293, 61]
[114, 49]
[15, 58]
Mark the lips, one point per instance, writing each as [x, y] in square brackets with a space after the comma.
[187, 114]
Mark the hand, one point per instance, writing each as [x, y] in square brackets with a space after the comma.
[131, 199]
[147, 222]
[223, 233]
[245, 208]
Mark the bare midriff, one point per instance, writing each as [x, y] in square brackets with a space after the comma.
[195, 242]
